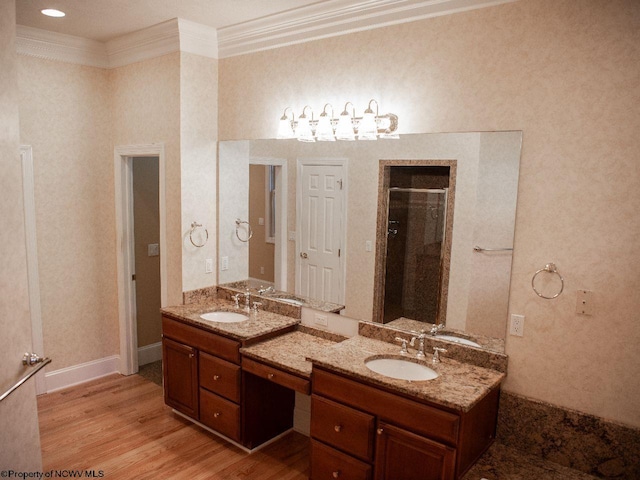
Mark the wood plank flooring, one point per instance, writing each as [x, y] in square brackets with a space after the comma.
[121, 426]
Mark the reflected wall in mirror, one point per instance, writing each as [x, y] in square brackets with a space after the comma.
[487, 166]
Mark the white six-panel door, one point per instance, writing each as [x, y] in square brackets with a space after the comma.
[321, 223]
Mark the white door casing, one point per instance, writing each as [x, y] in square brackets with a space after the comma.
[123, 157]
[320, 220]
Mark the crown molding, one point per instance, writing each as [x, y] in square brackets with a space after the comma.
[151, 42]
[320, 20]
[167, 37]
[332, 18]
[34, 42]
[198, 39]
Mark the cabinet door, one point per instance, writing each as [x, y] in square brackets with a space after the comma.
[180, 367]
[405, 455]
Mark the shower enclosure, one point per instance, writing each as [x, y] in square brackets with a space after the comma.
[415, 236]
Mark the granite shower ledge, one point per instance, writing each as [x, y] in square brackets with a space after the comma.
[459, 386]
[260, 325]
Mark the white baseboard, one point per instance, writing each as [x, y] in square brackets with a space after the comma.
[149, 353]
[84, 372]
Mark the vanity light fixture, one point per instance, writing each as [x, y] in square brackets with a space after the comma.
[52, 12]
[347, 126]
[303, 128]
[285, 129]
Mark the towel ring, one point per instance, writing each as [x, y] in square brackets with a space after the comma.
[195, 225]
[249, 231]
[550, 268]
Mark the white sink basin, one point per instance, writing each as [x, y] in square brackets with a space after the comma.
[400, 369]
[224, 317]
[463, 341]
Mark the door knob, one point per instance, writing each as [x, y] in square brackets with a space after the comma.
[303, 255]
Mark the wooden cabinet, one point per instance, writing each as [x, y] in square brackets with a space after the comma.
[361, 431]
[203, 379]
[202, 376]
[402, 454]
[180, 371]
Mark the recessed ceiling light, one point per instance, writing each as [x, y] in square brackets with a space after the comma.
[52, 12]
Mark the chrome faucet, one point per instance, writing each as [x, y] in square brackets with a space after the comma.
[247, 300]
[436, 354]
[403, 349]
[435, 329]
[420, 337]
[236, 298]
[268, 289]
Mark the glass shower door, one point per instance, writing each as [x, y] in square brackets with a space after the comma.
[415, 235]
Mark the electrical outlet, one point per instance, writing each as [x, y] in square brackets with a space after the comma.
[292, 236]
[368, 246]
[261, 270]
[321, 320]
[584, 304]
[224, 263]
[517, 325]
[208, 265]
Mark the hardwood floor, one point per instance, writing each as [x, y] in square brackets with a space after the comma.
[121, 427]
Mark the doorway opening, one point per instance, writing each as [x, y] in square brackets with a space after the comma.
[141, 257]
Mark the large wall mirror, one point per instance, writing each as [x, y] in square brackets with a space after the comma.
[339, 186]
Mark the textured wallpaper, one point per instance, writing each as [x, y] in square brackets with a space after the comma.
[65, 116]
[20, 441]
[198, 135]
[566, 74]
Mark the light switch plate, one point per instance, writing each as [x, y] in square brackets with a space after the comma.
[153, 250]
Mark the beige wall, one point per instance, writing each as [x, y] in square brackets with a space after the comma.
[65, 117]
[19, 441]
[147, 268]
[566, 74]
[146, 109]
[198, 149]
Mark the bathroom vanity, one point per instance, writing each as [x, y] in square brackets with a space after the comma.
[203, 378]
[239, 380]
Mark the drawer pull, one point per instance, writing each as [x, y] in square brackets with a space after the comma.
[216, 377]
[337, 428]
[336, 474]
[216, 415]
[380, 431]
[192, 355]
[270, 376]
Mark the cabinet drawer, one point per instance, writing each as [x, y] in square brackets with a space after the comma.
[202, 340]
[342, 427]
[276, 375]
[329, 464]
[417, 417]
[220, 376]
[220, 414]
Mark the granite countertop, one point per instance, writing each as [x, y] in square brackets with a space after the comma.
[257, 326]
[289, 351]
[458, 385]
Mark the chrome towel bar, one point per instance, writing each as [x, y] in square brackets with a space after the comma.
[30, 359]
[481, 249]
